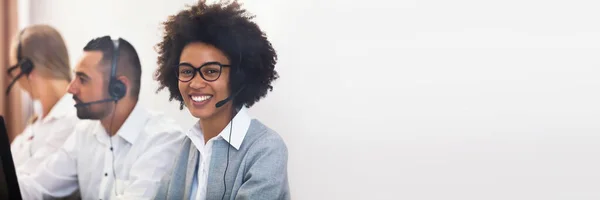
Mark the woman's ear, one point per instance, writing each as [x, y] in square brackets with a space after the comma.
[33, 75]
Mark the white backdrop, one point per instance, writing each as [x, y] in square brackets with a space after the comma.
[428, 99]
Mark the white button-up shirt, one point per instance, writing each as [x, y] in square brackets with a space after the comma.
[144, 149]
[45, 136]
[241, 123]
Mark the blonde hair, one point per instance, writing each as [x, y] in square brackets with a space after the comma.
[45, 47]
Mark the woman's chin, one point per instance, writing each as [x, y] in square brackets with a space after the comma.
[201, 113]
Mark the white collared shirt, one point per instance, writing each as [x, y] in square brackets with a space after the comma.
[241, 123]
[45, 136]
[144, 149]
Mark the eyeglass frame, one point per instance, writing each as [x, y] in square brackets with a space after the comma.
[197, 70]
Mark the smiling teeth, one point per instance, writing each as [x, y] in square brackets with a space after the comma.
[200, 98]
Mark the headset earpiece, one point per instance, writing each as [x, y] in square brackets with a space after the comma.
[116, 88]
[25, 64]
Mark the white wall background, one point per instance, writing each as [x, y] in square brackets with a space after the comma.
[428, 99]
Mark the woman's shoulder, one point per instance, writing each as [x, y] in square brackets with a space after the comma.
[260, 136]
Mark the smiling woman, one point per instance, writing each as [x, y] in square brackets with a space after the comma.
[217, 62]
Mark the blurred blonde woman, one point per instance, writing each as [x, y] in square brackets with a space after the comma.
[39, 65]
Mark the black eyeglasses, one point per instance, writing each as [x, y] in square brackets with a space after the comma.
[210, 71]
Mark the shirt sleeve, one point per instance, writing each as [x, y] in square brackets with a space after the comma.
[57, 176]
[151, 166]
[267, 171]
[16, 147]
[57, 135]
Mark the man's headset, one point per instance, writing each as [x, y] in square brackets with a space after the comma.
[24, 63]
[116, 88]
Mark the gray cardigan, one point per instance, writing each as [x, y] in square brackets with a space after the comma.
[258, 170]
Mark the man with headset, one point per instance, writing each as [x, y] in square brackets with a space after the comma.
[124, 150]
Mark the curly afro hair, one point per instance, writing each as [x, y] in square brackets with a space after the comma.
[229, 28]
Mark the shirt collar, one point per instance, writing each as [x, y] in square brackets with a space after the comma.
[241, 124]
[134, 124]
[63, 107]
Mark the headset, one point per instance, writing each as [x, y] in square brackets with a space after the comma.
[116, 91]
[24, 63]
[26, 66]
[238, 74]
[116, 88]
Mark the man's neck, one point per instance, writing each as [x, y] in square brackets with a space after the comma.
[213, 126]
[121, 111]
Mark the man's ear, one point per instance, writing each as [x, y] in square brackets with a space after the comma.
[126, 82]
